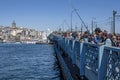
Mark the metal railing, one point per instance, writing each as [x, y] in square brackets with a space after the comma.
[110, 64]
[102, 62]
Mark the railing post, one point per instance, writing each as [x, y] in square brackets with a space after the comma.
[77, 55]
[102, 66]
[66, 45]
[73, 53]
[68, 41]
[82, 59]
[81, 48]
[71, 48]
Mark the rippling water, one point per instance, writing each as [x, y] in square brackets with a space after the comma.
[28, 62]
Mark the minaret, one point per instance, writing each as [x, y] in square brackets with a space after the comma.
[13, 24]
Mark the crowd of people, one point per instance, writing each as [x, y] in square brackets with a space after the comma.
[97, 37]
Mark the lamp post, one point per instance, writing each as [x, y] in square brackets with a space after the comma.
[71, 20]
[114, 13]
[93, 24]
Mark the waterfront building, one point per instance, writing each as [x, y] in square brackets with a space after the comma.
[21, 34]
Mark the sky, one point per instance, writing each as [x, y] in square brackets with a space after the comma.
[55, 14]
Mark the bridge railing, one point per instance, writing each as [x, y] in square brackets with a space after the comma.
[95, 62]
[109, 68]
[89, 61]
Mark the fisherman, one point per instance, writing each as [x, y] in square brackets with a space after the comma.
[98, 36]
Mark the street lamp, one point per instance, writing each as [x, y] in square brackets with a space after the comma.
[114, 13]
[93, 24]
